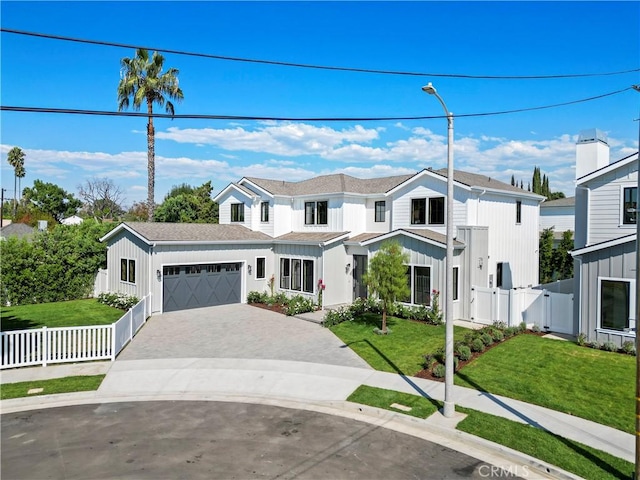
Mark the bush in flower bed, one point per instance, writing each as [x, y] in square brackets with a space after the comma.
[299, 304]
[118, 300]
[290, 306]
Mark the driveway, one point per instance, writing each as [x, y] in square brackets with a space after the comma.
[238, 331]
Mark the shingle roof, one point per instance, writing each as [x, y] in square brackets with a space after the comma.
[477, 180]
[336, 183]
[18, 230]
[560, 202]
[318, 237]
[421, 232]
[194, 232]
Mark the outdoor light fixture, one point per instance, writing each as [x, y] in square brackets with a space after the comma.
[158, 274]
[449, 406]
[249, 269]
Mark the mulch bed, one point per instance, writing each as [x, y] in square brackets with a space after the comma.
[274, 308]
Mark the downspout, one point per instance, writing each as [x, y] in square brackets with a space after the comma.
[478, 207]
[151, 249]
[586, 217]
[321, 246]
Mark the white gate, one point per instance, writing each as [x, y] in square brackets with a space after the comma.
[548, 310]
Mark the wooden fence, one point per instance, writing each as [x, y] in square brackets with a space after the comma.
[43, 346]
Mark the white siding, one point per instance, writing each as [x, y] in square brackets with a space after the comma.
[370, 215]
[334, 215]
[355, 216]
[224, 208]
[605, 204]
[282, 216]
[560, 219]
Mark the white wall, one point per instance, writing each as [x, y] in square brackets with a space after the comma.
[560, 219]
[224, 208]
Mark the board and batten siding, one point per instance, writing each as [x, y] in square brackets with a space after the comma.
[126, 245]
[303, 252]
[605, 204]
[614, 262]
[282, 216]
[334, 214]
[336, 276]
[515, 245]
[370, 215]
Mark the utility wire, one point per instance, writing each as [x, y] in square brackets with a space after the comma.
[317, 67]
[73, 111]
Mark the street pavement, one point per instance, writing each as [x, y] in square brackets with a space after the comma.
[321, 377]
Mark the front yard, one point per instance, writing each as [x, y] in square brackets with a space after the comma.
[74, 313]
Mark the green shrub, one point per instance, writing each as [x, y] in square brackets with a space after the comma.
[499, 325]
[609, 347]
[510, 332]
[477, 345]
[497, 335]
[522, 327]
[118, 300]
[464, 352]
[594, 344]
[438, 370]
[339, 315]
[257, 297]
[629, 347]
[535, 328]
[299, 304]
[582, 339]
[486, 339]
[358, 307]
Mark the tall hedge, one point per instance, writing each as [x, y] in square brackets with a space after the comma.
[60, 264]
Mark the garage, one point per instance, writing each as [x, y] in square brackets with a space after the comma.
[206, 285]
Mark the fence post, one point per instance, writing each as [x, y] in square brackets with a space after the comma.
[546, 324]
[113, 341]
[45, 348]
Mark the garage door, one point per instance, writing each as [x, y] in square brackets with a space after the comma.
[195, 286]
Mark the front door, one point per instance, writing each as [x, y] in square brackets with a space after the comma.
[359, 269]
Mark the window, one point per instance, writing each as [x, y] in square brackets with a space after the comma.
[192, 269]
[307, 276]
[418, 211]
[629, 205]
[380, 208]
[264, 212]
[419, 282]
[285, 273]
[499, 275]
[615, 304]
[237, 212]
[455, 283]
[436, 211]
[296, 274]
[171, 271]
[260, 267]
[127, 270]
[518, 212]
[310, 210]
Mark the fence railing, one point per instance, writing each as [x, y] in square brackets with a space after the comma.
[548, 310]
[43, 346]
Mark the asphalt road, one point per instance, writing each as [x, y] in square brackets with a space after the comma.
[215, 440]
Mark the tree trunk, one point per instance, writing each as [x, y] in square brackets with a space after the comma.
[15, 196]
[151, 167]
[384, 319]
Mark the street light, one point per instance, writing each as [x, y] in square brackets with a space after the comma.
[449, 405]
[637, 469]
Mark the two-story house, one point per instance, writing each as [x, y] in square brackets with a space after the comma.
[605, 241]
[296, 236]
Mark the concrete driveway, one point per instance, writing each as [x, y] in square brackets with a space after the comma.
[238, 331]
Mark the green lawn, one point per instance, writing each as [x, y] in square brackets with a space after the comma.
[588, 383]
[56, 385]
[566, 454]
[74, 313]
[399, 352]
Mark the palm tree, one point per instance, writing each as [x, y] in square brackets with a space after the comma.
[16, 160]
[141, 79]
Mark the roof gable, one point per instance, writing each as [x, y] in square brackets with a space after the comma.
[623, 162]
[156, 232]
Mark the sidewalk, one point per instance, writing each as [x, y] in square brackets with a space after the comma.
[302, 383]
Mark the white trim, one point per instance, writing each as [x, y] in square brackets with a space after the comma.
[632, 306]
[135, 270]
[621, 224]
[265, 268]
[603, 245]
[234, 187]
[385, 236]
[608, 169]
[244, 180]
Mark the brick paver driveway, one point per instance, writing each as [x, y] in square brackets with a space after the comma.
[238, 331]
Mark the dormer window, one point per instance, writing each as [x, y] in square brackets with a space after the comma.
[237, 212]
[315, 213]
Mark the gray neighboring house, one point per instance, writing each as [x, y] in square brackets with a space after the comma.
[559, 215]
[605, 242]
[18, 230]
[315, 235]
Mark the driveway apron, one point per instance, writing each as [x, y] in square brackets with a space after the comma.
[238, 331]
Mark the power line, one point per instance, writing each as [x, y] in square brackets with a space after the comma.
[73, 111]
[317, 67]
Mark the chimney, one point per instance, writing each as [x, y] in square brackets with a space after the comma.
[592, 152]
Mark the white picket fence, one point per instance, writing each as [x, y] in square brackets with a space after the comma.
[548, 310]
[43, 346]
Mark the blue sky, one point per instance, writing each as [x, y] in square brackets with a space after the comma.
[470, 38]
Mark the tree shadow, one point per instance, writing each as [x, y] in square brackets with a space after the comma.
[529, 421]
[11, 322]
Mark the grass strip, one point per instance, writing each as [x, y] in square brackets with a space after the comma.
[74, 313]
[574, 457]
[81, 383]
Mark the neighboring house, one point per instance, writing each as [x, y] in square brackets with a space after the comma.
[19, 230]
[72, 220]
[605, 242]
[559, 215]
[326, 229]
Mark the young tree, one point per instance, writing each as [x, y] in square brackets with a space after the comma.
[15, 157]
[51, 199]
[545, 255]
[386, 277]
[142, 80]
[562, 259]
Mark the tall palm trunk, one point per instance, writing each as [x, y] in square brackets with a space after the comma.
[15, 195]
[151, 165]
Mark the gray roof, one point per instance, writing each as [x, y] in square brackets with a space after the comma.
[315, 237]
[18, 230]
[337, 183]
[421, 232]
[560, 202]
[193, 232]
[477, 180]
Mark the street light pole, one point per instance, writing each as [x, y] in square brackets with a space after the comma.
[637, 312]
[449, 405]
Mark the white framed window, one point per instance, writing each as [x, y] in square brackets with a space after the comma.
[419, 281]
[616, 304]
[297, 274]
[380, 208]
[316, 213]
[128, 270]
[629, 205]
[285, 273]
[237, 212]
[261, 263]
